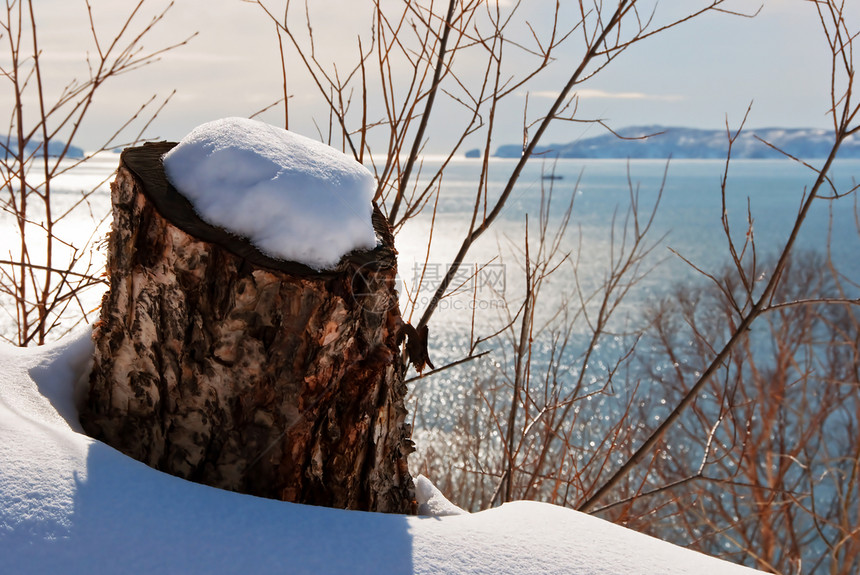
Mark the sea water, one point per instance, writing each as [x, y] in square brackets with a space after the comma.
[761, 201]
[686, 239]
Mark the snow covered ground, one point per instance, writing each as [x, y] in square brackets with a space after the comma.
[69, 504]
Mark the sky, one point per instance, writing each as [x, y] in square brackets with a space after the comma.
[701, 74]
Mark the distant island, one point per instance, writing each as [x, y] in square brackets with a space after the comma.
[692, 143]
[9, 147]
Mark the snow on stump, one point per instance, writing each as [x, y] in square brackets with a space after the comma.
[250, 338]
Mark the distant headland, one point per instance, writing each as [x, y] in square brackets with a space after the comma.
[55, 148]
[692, 143]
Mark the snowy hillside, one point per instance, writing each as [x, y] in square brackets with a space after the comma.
[72, 505]
[695, 143]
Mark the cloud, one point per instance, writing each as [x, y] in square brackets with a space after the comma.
[588, 94]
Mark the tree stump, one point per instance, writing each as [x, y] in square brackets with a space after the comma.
[223, 366]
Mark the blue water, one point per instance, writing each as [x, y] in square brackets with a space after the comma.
[690, 210]
[687, 220]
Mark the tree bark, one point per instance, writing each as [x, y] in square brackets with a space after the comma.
[223, 366]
